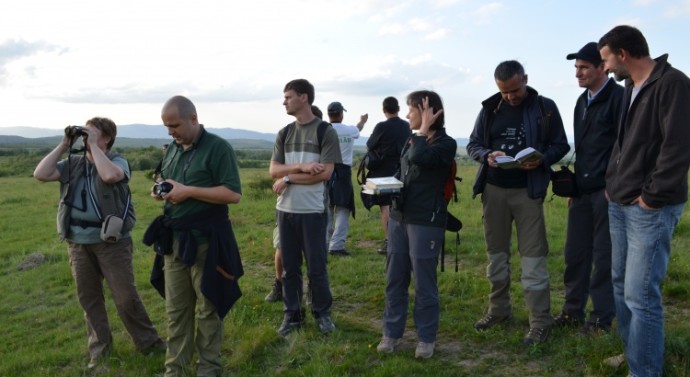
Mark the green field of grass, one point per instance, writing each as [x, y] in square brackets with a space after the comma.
[43, 331]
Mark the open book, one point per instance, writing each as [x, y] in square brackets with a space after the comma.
[526, 155]
[382, 185]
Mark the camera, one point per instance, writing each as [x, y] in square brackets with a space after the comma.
[162, 188]
[74, 131]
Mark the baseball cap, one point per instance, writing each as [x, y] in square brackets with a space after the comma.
[590, 53]
[335, 108]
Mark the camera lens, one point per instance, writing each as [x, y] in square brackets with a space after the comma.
[162, 188]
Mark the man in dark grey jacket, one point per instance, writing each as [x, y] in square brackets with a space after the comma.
[588, 242]
[510, 121]
[647, 186]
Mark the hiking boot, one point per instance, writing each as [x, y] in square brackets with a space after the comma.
[325, 324]
[614, 361]
[424, 350]
[340, 252]
[490, 320]
[383, 250]
[276, 293]
[291, 323]
[566, 320]
[387, 345]
[535, 335]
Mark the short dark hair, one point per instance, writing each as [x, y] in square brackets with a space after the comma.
[507, 69]
[628, 38]
[301, 86]
[106, 126]
[414, 99]
[185, 107]
[390, 105]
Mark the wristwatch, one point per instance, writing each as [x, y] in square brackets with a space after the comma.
[286, 179]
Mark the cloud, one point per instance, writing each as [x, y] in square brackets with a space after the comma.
[437, 34]
[412, 27]
[681, 10]
[13, 50]
[447, 3]
[484, 14]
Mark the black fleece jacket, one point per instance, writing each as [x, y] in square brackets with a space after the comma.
[652, 153]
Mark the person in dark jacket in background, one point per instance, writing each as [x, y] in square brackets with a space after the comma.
[510, 121]
[388, 139]
[416, 226]
[588, 242]
[647, 187]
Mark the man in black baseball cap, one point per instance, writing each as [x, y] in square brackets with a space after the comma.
[590, 53]
[587, 249]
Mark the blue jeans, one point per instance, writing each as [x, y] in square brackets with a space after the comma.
[641, 246]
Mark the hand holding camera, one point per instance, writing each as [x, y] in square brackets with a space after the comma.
[162, 188]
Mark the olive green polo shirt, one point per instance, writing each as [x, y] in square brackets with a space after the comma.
[209, 162]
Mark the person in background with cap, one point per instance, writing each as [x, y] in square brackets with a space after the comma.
[588, 242]
[340, 192]
[388, 138]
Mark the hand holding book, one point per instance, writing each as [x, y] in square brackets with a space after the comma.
[526, 155]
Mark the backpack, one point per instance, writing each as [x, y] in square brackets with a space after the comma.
[453, 224]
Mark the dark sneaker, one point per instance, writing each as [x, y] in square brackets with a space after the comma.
[289, 326]
[566, 320]
[535, 335]
[594, 329]
[490, 320]
[159, 347]
[341, 252]
[276, 293]
[325, 324]
[383, 250]
[291, 323]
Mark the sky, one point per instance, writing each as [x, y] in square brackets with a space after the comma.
[63, 62]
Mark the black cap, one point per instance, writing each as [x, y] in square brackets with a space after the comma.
[590, 53]
[335, 108]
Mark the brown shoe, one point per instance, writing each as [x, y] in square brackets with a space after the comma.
[535, 335]
[490, 320]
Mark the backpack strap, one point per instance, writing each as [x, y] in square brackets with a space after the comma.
[546, 119]
[320, 133]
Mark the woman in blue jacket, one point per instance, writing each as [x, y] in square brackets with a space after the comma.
[417, 225]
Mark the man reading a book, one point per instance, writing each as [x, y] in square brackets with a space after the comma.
[513, 119]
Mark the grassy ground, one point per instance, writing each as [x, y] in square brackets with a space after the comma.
[44, 334]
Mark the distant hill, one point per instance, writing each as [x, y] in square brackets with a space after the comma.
[143, 135]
